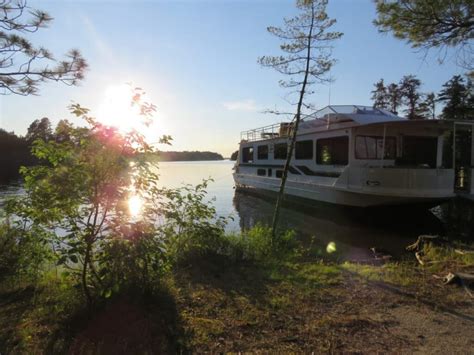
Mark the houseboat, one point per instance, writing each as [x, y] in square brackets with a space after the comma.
[354, 156]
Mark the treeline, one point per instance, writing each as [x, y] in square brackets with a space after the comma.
[456, 96]
[15, 151]
[188, 156]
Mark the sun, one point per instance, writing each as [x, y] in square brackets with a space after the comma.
[117, 109]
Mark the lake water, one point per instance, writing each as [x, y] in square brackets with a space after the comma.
[352, 233]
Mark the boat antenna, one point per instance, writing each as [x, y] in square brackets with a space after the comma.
[329, 98]
[329, 94]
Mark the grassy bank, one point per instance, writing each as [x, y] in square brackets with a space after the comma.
[212, 302]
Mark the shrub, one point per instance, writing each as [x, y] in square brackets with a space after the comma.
[23, 251]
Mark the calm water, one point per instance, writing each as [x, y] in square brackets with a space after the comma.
[352, 232]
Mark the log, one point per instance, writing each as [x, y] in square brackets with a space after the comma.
[419, 241]
[418, 255]
[458, 277]
[463, 252]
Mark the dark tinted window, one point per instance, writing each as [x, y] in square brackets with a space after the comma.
[261, 172]
[419, 151]
[247, 155]
[333, 151]
[281, 151]
[262, 152]
[304, 150]
[269, 172]
[371, 147]
[279, 173]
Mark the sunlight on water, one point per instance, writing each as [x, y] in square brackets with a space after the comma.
[135, 205]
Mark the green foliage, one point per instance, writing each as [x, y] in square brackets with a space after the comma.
[257, 244]
[190, 222]
[430, 24]
[23, 251]
[39, 129]
[80, 189]
[458, 96]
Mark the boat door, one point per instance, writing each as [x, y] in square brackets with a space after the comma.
[463, 157]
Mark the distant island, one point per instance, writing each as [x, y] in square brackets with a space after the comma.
[188, 156]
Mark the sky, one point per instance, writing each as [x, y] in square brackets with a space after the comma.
[197, 61]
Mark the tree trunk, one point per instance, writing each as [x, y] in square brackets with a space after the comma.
[87, 293]
[276, 214]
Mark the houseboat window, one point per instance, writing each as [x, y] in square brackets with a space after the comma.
[247, 155]
[419, 151]
[262, 152]
[279, 173]
[269, 172]
[281, 151]
[332, 151]
[261, 172]
[371, 147]
[304, 150]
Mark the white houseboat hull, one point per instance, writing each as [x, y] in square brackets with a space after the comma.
[355, 196]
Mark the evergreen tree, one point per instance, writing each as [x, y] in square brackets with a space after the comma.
[409, 89]
[394, 97]
[431, 24]
[39, 129]
[379, 95]
[306, 43]
[427, 108]
[457, 97]
[23, 67]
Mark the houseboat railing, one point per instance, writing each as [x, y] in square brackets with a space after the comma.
[267, 132]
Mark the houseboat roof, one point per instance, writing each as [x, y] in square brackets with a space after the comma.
[335, 117]
[357, 113]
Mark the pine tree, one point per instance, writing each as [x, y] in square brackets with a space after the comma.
[427, 24]
[427, 108]
[24, 67]
[457, 97]
[394, 97]
[379, 95]
[409, 89]
[307, 60]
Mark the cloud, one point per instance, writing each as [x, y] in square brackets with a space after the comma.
[241, 105]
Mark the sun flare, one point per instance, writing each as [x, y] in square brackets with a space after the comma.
[135, 204]
[117, 109]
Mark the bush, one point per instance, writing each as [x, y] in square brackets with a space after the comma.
[23, 252]
[256, 244]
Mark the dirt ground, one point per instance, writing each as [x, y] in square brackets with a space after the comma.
[219, 310]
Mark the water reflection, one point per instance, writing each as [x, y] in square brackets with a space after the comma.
[346, 233]
[352, 232]
[135, 205]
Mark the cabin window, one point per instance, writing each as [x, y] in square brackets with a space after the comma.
[261, 172]
[247, 155]
[419, 151]
[279, 173]
[333, 151]
[371, 147]
[269, 172]
[262, 152]
[281, 151]
[304, 150]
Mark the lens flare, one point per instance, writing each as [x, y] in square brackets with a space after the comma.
[331, 247]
